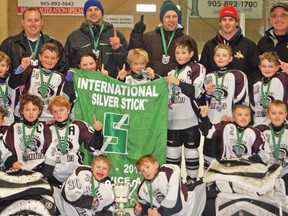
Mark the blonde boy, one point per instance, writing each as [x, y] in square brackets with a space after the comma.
[268, 86]
[137, 60]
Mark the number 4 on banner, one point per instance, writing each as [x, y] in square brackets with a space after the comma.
[115, 136]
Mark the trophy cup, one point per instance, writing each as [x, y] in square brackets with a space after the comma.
[122, 196]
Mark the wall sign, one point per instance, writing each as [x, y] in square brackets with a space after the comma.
[52, 7]
[210, 8]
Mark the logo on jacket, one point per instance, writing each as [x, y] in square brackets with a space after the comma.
[239, 55]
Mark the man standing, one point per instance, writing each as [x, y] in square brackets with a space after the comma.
[245, 52]
[160, 43]
[109, 45]
[276, 38]
[29, 41]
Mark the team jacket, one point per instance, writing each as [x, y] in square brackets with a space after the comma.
[234, 91]
[77, 191]
[269, 145]
[245, 53]
[152, 43]
[225, 133]
[35, 151]
[269, 42]
[60, 165]
[169, 194]
[278, 91]
[10, 88]
[16, 47]
[81, 39]
[181, 114]
[31, 83]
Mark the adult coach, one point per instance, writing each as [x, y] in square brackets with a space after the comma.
[30, 40]
[245, 52]
[109, 45]
[276, 38]
[160, 43]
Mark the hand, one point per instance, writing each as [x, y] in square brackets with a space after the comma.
[153, 212]
[17, 165]
[115, 41]
[172, 80]
[25, 62]
[122, 73]
[140, 27]
[103, 71]
[204, 109]
[150, 72]
[210, 87]
[283, 66]
[97, 124]
[137, 208]
[226, 118]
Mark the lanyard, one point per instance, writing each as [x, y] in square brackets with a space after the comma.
[30, 136]
[96, 42]
[4, 94]
[94, 190]
[221, 86]
[36, 47]
[44, 88]
[265, 95]
[165, 46]
[63, 145]
[276, 146]
[150, 190]
[239, 140]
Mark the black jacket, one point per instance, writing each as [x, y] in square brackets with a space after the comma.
[82, 39]
[16, 47]
[245, 53]
[152, 43]
[270, 43]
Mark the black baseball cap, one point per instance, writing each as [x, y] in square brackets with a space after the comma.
[282, 5]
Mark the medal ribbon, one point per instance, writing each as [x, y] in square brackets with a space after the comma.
[63, 146]
[44, 88]
[96, 42]
[165, 46]
[94, 190]
[150, 190]
[176, 75]
[220, 87]
[265, 95]
[30, 136]
[239, 140]
[276, 146]
[35, 48]
[4, 94]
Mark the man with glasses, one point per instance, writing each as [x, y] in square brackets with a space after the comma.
[276, 38]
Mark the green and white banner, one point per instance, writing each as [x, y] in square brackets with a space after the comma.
[134, 119]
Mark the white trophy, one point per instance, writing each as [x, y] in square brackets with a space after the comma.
[122, 196]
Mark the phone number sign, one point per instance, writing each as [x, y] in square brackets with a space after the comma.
[53, 7]
[210, 8]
